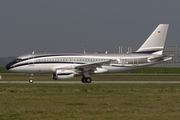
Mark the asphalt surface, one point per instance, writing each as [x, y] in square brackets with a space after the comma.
[95, 82]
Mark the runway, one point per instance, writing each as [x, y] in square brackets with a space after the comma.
[93, 82]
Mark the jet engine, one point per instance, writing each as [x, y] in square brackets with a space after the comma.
[63, 74]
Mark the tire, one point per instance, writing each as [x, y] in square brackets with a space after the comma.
[31, 81]
[83, 80]
[88, 80]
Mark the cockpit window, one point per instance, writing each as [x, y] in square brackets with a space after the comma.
[18, 60]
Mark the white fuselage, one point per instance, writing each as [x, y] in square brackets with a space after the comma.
[48, 63]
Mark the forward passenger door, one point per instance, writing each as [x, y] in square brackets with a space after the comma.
[31, 60]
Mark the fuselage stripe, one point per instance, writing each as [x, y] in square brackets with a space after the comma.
[32, 63]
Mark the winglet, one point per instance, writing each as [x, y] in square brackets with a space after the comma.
[155, 42]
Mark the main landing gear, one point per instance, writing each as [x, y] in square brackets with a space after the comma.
[86, 80]
[31, 78]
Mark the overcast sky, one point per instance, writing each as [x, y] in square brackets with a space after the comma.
[65, 26]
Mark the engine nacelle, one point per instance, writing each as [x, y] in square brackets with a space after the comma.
[63, 74]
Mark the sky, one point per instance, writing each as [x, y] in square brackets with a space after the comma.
[66, 26]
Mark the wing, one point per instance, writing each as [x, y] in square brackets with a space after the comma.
[95, 67]
[91, 68]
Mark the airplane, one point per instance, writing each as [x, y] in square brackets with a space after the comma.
[68, 65]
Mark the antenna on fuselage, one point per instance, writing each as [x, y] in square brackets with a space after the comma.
[33, 52]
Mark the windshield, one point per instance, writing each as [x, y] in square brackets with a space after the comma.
[17, 60]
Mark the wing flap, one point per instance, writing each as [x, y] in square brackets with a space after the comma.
[94, 65]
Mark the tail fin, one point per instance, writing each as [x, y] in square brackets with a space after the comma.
[155, 42]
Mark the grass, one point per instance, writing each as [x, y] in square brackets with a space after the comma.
[92, 101]
[89, 101]
[4, 70]
[156, 70]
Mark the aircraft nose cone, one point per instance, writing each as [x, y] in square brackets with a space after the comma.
[8, 66]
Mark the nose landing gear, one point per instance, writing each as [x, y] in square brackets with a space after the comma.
[31, 78]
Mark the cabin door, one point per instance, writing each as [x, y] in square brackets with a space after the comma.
[31, 60]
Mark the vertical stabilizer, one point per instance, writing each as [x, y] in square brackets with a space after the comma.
[155, 42]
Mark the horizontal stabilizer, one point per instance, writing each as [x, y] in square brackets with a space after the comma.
[160, 59]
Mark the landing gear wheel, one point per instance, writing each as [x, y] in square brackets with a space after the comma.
[88, 80]
[31, 81]
[31, 78]
[83, 80]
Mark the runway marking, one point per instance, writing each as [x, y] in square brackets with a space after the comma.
[95, 82]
